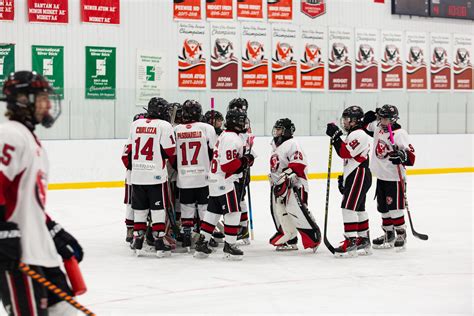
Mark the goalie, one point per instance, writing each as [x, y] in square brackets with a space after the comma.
[289, 192]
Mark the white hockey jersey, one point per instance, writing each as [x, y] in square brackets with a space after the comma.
[228, 149]
[23, 185]
[380, 165]
[150, 140]
[357, 147]
[289, 155]
[193, 142]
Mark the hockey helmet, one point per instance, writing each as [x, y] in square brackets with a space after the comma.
[240, 104]
[353, 114]
[192, 111]
[388, 111]
[157, 108]
[235, 121]
[283, 129]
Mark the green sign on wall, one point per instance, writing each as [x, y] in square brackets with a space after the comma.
[49, 62]
[7, 62]
[100, 72]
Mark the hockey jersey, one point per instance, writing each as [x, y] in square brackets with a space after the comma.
[354, 150]
[23, 185]
[194, 142]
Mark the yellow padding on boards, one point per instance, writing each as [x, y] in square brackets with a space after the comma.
[334, 175]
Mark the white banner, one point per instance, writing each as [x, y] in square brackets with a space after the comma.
[284, 56]
[341, 58]
[392, 60]
[367, 60]
[149, 76]
[463, 50]
[255, 54]
[441, 61]
[417, 59]
[313, 58]
[224, 56]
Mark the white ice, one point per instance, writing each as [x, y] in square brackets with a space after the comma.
[431, 277]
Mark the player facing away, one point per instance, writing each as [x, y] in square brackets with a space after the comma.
[289, 191]
[27, 233]
[355, 181]
[194, 142]
[215, 119]
[153, 142]
[228, 161]
[384, 163]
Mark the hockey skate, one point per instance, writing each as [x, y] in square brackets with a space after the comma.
[348, 248]
[243, 236]
[137, 244]
[364, 247]
[162, 250]
[386, 241]
[202, 248]
[149, 239]
[129, 237]
[232, 252]
[291, 244]
[213, 244]
[401, 241]
[186, 243]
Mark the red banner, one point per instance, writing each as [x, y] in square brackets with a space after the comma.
[191, 57]
[462, 65]
[187, 9]
[340, 59]
[7, 10]
[250, 9]
[101, 11]
[52, 11]
[280, 10]
[313, 8]
[219, 9]
[254, 56]
[440, 70]
[224, 62]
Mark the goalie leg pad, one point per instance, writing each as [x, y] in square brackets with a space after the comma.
[286, 220]
[304, 221]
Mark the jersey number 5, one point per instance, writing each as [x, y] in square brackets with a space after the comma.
[6, 157]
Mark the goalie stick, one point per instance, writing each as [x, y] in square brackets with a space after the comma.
[328, 187]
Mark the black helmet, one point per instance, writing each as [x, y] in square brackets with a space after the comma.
[29, 84]
[287, 130]
[210, 117]
[157, 108]
[138, 116]
[240, 104]
[235, 121]
[192, 111]
[355, 114]
[389, 112]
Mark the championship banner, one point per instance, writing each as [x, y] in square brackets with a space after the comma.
[440, 61]
[100, 72]
[392, 65]
[52, 11]
[416, 68]
[340, 59]
[224, 62]
[367, 56]
[219, 9]
[7, 10]
[284, 55]
[313, 8]
[250, 9]
[192, 38]
[313, 56]
[463, 48]
[281, 10]
[100, 11]
[149, 76]
[7, 62]
[255, 52]
[187, 10]
[49, 62]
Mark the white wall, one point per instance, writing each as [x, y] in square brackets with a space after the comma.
[99, 160]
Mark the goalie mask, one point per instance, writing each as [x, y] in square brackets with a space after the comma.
[352, 118]
[282, 131]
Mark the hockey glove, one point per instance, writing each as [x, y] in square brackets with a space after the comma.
[370, 116]
[10, 247]
[246, 161]
[333, 131]
[250, 158]
[281, 187]
[66, 245]
[340, 184]
[398, 157]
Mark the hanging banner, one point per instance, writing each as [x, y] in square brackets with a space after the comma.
[340, 58]
[149, 76]
[191, 56]
[314, 55]
[224, 62]
[284, 54]
[250, 9]
[463, 48]
[313, 8]
[281, 10]
[187, 9]
[440, 61]
[49, 62]
[416, 68]
[255, 54]
[7, 62]
[7, 10]
[100, 11]
[100, 72]
[219, 9]
[51, 11]
[367, 56]
[392, 65]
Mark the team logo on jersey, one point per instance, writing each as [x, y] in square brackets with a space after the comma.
[274, 163]
[381, 150]
[41, 188]
[389, 200]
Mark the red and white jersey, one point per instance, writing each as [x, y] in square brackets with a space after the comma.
[23, 185]
[289, 155]
[380, 165]
[194, 141]
[357, 147]
[125, 160]
[227, 151]
[152, 141]
[247, 139]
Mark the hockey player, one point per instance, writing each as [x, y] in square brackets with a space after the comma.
[289, 198]
[228, 161]
[215, 119]
[386, 158]
[27, 233]
[194, 142]
[356, 181]
[153, 142]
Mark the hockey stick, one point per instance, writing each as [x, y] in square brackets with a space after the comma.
[53, 288]
[250, 212]
[328, 187]
[402, 184]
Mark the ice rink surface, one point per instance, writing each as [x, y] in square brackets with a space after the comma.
[430, 277]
